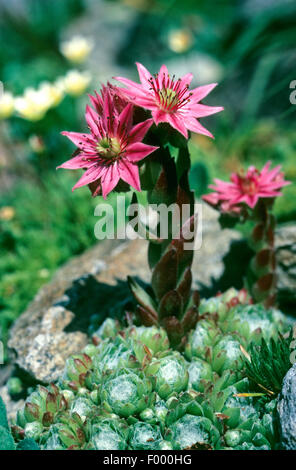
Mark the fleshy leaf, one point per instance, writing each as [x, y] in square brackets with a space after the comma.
[164, 277]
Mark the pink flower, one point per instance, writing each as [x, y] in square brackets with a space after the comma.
[97, 101]
[170, 100]
[246, 188]
[112, 149]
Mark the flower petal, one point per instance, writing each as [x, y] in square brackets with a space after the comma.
[97, 102]
[141, 98]
[144, 75]
[130, 174]
[108, 113]
[125, 119]
[212, 198]
[80, 161]
[202, 91]
[82, 141]
[178, 123]
[265, 169]
[92, 174]
[159, 116]
[137, 151]
[139, 131]
[195, 126]
[201, 110]
[130, 83]
[110, 179]
[92, 119]
[163, 76]
[186, 79]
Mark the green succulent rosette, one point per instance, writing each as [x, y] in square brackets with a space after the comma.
[127, 393]
[129, 390]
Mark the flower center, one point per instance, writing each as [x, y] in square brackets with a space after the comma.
[109, 147]
[168, 97]
[249, 186]
[170, 94]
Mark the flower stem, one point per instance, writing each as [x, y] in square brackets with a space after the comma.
[173, 306]
[262, 275]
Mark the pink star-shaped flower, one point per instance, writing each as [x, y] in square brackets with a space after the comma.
[170, 100]
[114, 146]
[246, 188]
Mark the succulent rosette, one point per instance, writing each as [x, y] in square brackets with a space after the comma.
[163, 399]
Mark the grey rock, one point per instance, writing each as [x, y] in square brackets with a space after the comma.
[286, 263]
[287, 410]
[44, 348]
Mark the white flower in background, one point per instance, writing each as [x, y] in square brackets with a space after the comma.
[75, 82]
[180, 40]
[54, 92]
[6, 105]
[33, 104]
[77, 49]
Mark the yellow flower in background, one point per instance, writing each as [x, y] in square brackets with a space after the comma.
[180, 40]
[77, 49]
[6, 105]
[75, 82]
[7, 213]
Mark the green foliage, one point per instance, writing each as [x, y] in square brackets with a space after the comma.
[6, 439]
[269, 362]
[199, 178]
[3, 415]
[131, 391]
[31, 37]
[44, 233]
[28, 444]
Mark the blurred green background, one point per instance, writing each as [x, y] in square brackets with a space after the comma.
[248, 46]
